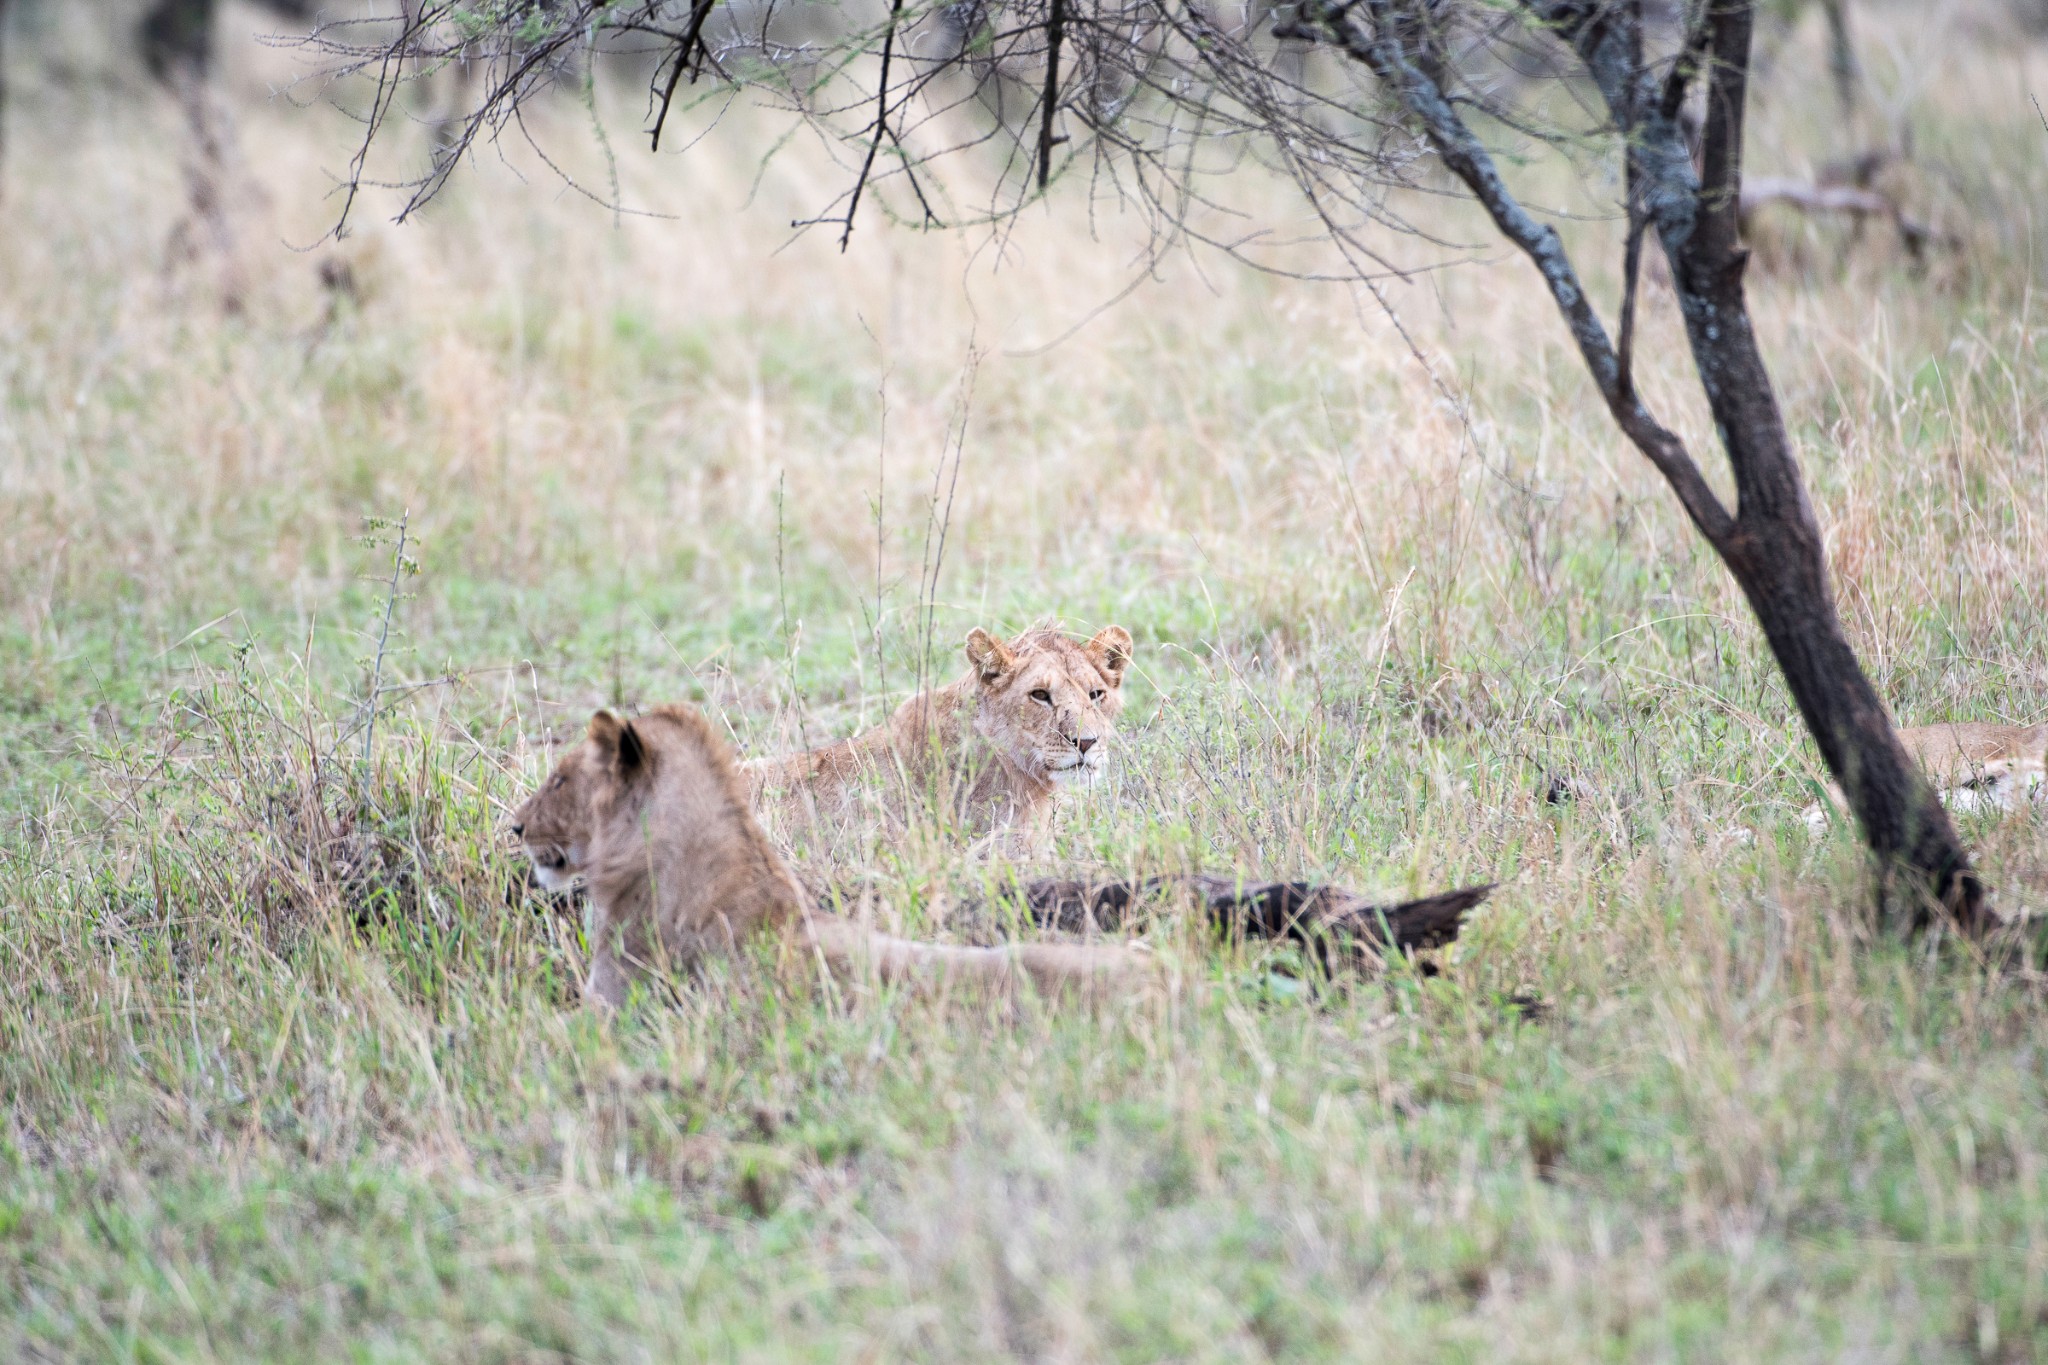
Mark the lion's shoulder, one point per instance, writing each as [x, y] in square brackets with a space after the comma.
[932, 720]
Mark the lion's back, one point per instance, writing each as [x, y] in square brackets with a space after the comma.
[1948, 751]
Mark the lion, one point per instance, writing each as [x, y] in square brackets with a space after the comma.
[1029, 717]
[654, 815]
[1973, 766]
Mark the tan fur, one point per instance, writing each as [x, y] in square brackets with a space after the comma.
[994, 745]
[1973, 766]
[653, 813]
[1963, 752]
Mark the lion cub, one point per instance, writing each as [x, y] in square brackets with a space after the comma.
[992, 747]
[1973, 766]
[652, 812]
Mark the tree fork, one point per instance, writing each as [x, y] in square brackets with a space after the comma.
[1772, 544]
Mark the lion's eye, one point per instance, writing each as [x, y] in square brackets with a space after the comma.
[1040, 694]
[1096, 695]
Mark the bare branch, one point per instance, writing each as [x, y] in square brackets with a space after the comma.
[690, 46]
[881, 124]
[1685, 67]
[1632, 250]
[1469, 160]
[1055, 29]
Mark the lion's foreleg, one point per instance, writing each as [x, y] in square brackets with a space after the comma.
[612, 953]
[607, 983]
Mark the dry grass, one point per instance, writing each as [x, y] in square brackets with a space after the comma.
[289, 1072]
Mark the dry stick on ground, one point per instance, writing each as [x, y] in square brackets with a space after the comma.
[1771, 543]
[1852, 200]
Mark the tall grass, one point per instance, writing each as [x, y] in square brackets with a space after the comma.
[289, 1051]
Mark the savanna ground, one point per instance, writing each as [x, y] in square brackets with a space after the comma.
[290, 1058]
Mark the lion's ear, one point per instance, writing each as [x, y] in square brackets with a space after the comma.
[1111, 649]
[617, 742]
[990, 657]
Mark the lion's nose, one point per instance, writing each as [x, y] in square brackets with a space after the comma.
[518, 830]
[1085, 743]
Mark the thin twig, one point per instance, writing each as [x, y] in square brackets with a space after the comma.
[384, 633]
[931, 217]
[788, 640]
[881, 501]
[942, 522]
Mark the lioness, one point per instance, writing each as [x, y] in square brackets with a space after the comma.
[1028, 717]
[1973, 766]
[652, 812]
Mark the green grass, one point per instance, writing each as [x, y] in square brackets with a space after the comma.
[291, 1061]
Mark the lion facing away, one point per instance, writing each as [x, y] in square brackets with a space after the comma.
[1029, 716]
[654, 815]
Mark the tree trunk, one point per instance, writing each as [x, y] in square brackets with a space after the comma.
[1903, 821]
[1773, 547]
[1842, 65]
[1775, 553]
[175, 35]
[1771, 543]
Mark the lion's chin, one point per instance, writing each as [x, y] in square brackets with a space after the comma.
[553, 871]
[1075, 774]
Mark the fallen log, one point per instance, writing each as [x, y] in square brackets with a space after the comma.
[1329, 921]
